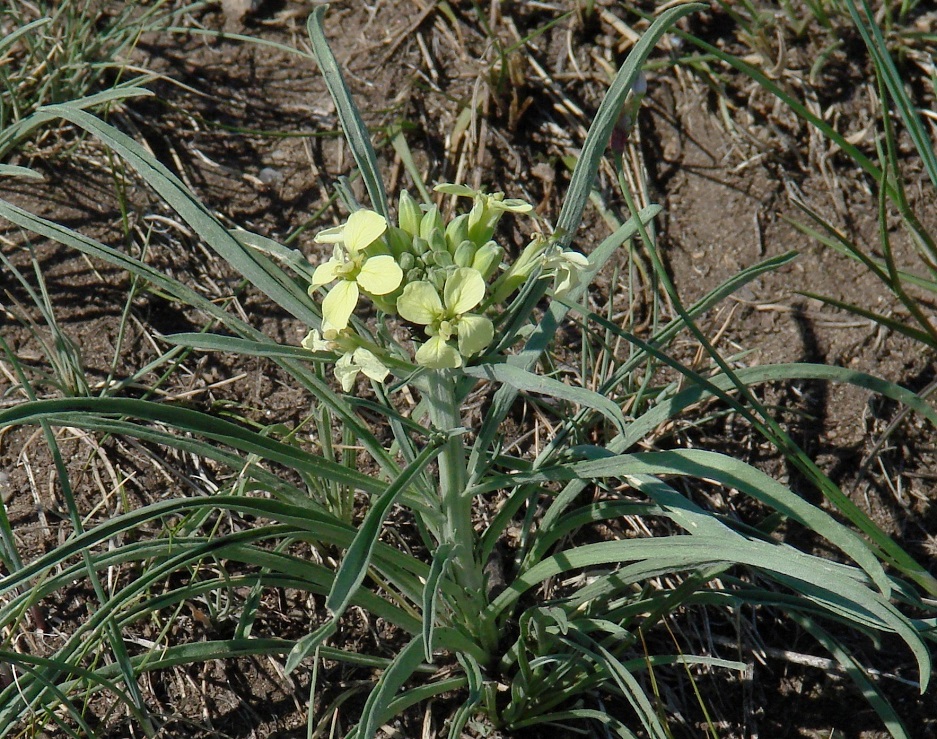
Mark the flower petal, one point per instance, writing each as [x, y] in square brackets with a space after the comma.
[380, 275]
[339, 304]
[314, 342]
[325, 273]
[437, 354]
[369, 363]
[331, 235]
[362, 229]
[464, 289]
[346, 371]
[475, 334]
[420, 303]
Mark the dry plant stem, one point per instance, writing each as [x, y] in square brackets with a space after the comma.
[446, 417]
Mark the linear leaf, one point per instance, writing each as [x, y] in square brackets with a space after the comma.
[355, 563]
[521, 379]
[356, 133]
[606, 118]
[254, 266]
[441, 559]
[403, 666]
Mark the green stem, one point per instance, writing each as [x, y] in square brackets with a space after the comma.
[457, 529]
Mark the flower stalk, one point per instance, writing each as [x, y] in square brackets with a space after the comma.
[457, 529]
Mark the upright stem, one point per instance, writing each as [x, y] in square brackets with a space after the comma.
[467, 572]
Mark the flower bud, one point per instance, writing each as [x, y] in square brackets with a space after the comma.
[465, 254]
[442, 258]
[408, 214]
[406, 261]
[430, 222]
[438, 278]
[437, 241]
[487, 259]
[457, 232]
[399, 241]
[419, 246]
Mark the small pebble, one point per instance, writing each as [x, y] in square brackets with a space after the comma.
[270, 177]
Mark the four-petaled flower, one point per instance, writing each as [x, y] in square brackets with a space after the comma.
[448, 317]
[353, 267]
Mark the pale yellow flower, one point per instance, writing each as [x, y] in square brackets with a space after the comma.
[352, 268]
[448, 317]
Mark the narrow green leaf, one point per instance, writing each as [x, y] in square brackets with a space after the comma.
[724, 470]
[12, 170]
[254, 266]
[473, 674]
[403, 666]
[76, 410]
[630, 688]
[356, 133]
[308, 644]
[441, 560]
[922, 337]
[521, 379]
[606, 118]
[248, 347]
[12, 135]
[838, 588]
[870, 691]
[878, 48]
[355, 563]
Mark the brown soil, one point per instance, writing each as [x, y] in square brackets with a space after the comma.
[252, 131]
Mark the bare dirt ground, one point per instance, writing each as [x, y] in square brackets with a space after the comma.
[253, 132]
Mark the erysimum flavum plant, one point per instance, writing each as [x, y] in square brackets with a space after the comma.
[453, 314]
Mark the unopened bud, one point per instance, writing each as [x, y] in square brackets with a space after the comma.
[406, 261]
[437, 241]
[457, 231]
[438, 278]
[419, 246]
[465, 254]
[409, 214]
[399, 241]
[487, 259]
[430, 222]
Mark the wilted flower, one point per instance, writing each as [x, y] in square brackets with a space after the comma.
[353, 268]
[567, 266]
[353, 359]
[360, 360]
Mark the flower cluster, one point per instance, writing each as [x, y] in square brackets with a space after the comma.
[442, 278]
